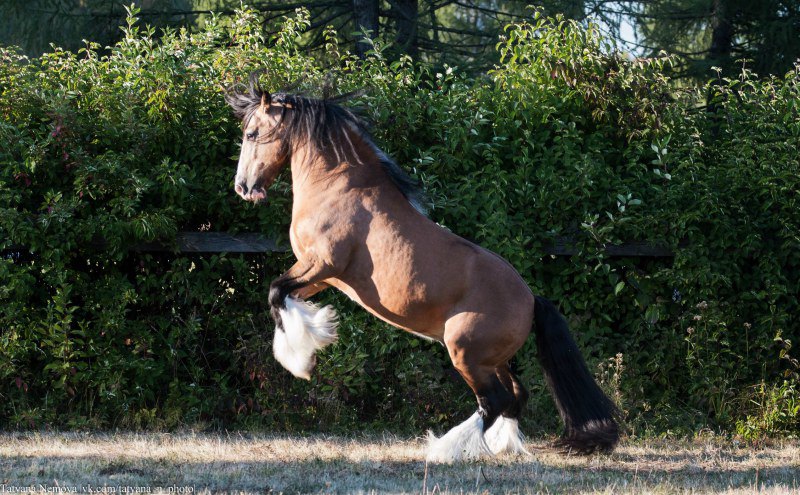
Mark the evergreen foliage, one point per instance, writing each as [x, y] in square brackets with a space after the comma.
[564, 138]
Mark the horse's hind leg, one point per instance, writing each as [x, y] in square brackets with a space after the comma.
[476, 352]
[466, 441]
[504, 436]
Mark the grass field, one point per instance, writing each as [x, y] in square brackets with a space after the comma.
[196, 463]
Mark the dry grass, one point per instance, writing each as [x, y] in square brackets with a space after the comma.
[323, 464]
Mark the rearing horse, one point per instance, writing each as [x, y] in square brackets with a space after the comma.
[357, 226]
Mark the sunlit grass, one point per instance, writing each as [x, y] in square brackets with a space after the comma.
[324, 464]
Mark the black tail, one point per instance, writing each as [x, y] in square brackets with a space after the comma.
[589, 415]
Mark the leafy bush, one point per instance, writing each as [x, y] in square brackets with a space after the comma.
[105, 149]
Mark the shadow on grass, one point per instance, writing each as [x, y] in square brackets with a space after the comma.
[315, 475]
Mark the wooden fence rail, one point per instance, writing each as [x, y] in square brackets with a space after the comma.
[217, 242]
[221, 242]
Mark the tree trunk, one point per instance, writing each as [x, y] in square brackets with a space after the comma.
[365, 13]
[721, 34]
[405, 13]
[719, 54]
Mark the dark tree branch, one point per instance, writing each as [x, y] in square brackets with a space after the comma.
[461, 31]
[486, 10]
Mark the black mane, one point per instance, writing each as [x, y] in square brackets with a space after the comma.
[323, 123]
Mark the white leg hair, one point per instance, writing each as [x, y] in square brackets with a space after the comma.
[306, 329]
[504, 437]
[463, 443]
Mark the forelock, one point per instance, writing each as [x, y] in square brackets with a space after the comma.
[245, 99]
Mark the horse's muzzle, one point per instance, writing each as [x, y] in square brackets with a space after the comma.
[256, 194]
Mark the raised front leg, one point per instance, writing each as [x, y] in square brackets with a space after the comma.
[310, 290]
[302, 276]
[301, 328]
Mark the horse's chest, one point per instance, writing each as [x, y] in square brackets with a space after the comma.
[302, 245]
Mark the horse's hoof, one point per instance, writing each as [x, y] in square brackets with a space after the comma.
[462, 443]
[504, 437]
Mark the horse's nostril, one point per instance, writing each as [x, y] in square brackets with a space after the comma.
[241, 188]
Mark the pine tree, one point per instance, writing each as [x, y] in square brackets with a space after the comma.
[763, 35]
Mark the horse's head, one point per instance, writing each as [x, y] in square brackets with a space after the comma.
[264, 151]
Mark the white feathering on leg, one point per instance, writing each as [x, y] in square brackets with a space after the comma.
[306, 329]
[462, 443]
[505, 437]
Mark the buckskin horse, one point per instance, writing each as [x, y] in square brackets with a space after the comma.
[358, 225]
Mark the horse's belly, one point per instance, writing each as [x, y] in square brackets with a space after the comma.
[412, 310]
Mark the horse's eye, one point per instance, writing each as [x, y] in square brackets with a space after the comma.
[252, 135]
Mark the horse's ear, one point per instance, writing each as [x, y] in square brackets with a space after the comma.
[265, 97]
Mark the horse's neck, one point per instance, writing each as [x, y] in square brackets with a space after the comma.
[315, 175]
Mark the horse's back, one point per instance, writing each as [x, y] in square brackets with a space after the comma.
[417, 275]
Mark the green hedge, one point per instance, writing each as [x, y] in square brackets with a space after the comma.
[107, 148]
